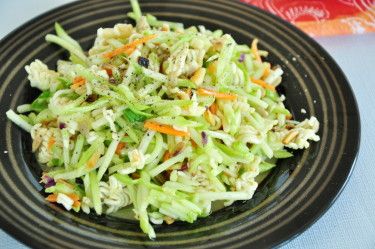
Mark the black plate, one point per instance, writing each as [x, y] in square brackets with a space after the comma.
[296, 193]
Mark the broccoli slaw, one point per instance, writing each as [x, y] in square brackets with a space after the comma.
[160, 118]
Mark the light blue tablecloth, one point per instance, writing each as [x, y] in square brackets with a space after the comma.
[350, 222]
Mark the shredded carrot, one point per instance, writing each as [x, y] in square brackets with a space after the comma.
[213, 108]
[266, 72]
[51, 142]
[130, 47]
[120, 146]
[288, 117]
[73, 196]
[78, 79]
[193, 144]
[263, 84]
[109, 71]
[129, 51]
[76, 204]
[77, 82]
[218, 95]
[254, 50]
[75, 199]
[141, 40]
[93, 160]
[166, 156]
[52, 198]
[166, 129]
[120, 50]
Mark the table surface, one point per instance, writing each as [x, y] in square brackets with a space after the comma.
[350, 222]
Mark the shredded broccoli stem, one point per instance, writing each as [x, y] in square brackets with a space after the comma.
[136, 9]
[79, 55]
[95, 192]
[18, 120]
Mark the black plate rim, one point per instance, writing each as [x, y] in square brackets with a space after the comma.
[26, 240]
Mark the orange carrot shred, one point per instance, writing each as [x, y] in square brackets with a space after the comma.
[119, 147]
[77, 82]
[51, 142]
[213, 108]
[219, 95]
[73, 196]
[266, 72]
[109, 71]
[193, 144]
[288, 117]
[52, 198]
[129, 51]
[78, 79]
[254, 50]
[263, 84]
[166, 129]
[130, 47]
[118, 51]
[141, 40]
[76, 204]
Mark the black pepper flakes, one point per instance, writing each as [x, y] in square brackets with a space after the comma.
[144, 62]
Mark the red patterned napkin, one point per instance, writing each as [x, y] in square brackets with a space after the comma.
[324, 17]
